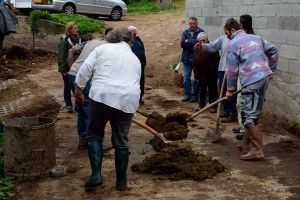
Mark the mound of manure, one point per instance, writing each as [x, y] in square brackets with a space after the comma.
[178, 117]
[174, 131]
[177, 161]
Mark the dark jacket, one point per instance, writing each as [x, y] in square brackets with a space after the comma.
[188, 51]
[8, 21]
[205, 65]
[139, 50]
[65, 44]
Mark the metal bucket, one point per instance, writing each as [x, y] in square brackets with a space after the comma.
[29, 147]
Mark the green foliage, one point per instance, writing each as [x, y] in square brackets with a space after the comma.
[1, 126]
[37, 15]
[293, 123]
[7, 187]
[142, 7]
[85, 24]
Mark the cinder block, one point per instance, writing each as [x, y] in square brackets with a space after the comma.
[233, 11]
[231, 2]
[284, 10]
[209, 21]
[293, 38]
[247, 2]
[288, 51]
[208, 3]
[259, 23]
[198, 11]
[289, 23]
[254, 11]
[298, 53]
[257, 2]
[223, 11]
[273, 22]
[216, 3]
[296, 10]
[201, 3]
[283, 64]
[267, 10]
[278, 36]
[212, 12]
[294, 66]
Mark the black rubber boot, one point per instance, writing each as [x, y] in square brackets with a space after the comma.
[95, 156]
[121, 164]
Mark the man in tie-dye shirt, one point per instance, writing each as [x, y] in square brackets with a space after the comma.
[253, 60]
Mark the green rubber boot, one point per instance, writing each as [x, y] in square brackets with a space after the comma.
[121, 164]
[95, 156]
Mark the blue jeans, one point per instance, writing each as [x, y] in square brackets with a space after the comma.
[187, 83]
[82, 109]
[252, 100]
[67, 91]
[229, 106]
[120, 123]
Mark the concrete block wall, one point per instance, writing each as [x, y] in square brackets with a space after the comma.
[277, 21]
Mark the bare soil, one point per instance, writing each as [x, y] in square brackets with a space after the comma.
[275, 177]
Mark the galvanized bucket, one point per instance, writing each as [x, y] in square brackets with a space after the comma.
[29, 147]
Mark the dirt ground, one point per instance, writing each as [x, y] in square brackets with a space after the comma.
[39, 83]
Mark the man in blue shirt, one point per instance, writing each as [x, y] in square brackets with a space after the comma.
[187, 43]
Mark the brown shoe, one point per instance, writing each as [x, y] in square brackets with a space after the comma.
[229, 119]
[252, 156]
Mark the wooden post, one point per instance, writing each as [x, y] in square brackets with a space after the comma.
[164, 4]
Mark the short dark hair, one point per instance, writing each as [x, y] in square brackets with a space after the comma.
[232, 23]
[246, 22]
[193, 18]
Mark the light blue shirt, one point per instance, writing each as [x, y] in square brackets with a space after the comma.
[219, 44]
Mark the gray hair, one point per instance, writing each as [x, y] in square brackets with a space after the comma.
[118, 35]
[202, 34]
[132, 28]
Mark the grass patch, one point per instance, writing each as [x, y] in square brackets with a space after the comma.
[150, 6]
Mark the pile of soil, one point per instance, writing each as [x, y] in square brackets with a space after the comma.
[178, 161]
[20, 61]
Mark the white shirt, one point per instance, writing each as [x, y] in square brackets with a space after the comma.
[115, 73]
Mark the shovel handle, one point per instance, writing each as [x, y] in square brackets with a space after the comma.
[143, 113]
[209, 106]
[148, 128]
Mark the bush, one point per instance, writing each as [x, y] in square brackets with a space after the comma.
[85, 25]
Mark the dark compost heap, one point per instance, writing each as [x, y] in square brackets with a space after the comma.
[177, 160]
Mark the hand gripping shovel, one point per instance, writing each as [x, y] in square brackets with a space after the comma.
[209, 106]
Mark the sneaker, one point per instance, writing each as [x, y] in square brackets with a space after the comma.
[228, 119]
[224, 115]
[69, 109]
[185, 99]
[82, 143]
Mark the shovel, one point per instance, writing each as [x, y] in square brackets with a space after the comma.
[214, 135]
[148, 128]
[143, 125]
[209, 106]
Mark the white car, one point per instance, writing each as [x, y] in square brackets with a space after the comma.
[114, 9]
